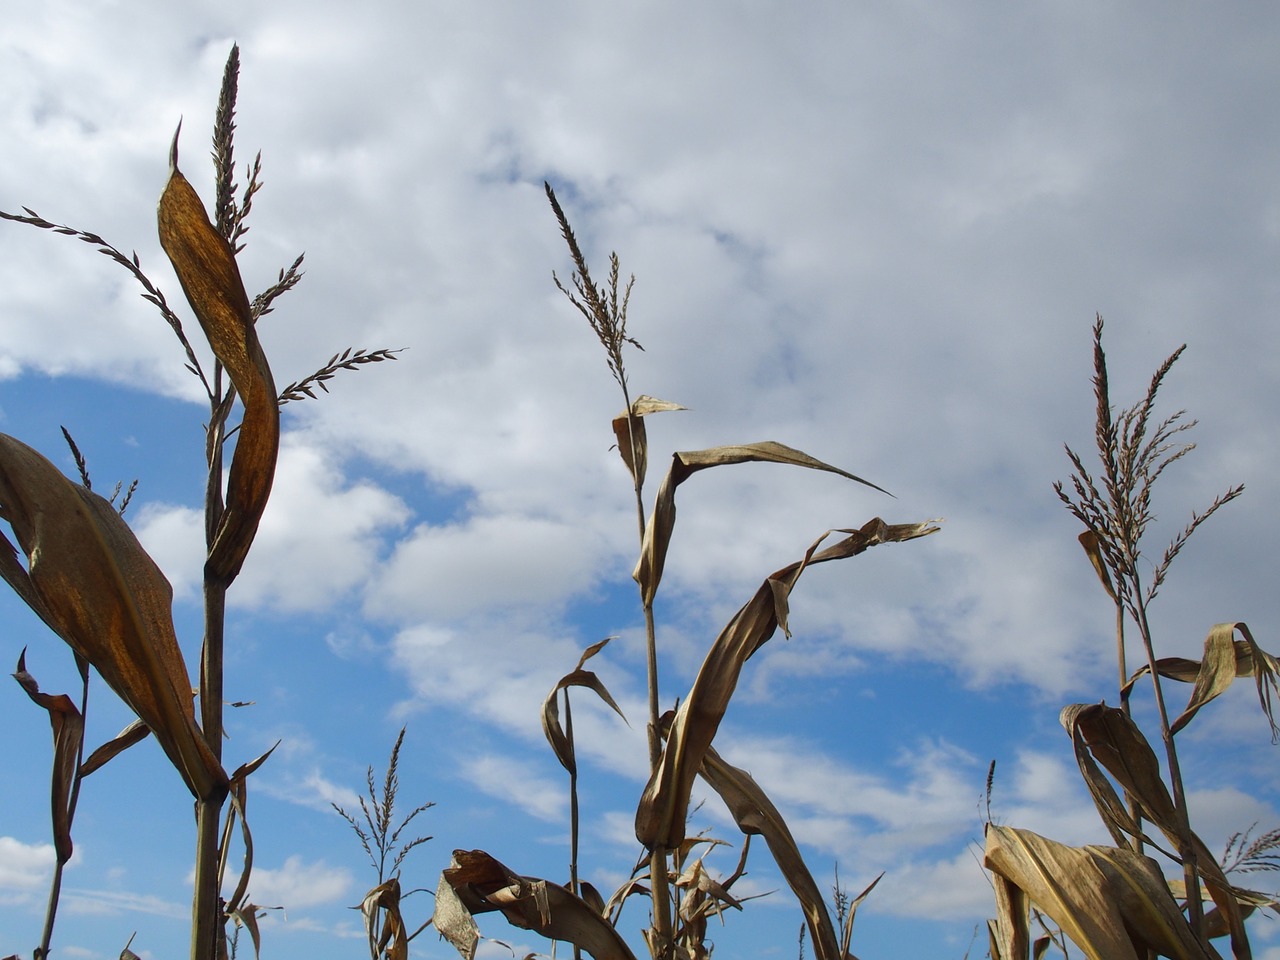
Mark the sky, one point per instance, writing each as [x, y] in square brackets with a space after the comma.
[877, 232]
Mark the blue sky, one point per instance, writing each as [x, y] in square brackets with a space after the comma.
[879, 233]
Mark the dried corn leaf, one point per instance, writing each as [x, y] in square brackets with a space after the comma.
[1112, 903]
[755, 814]
[1112, 739]
[657, 535]
[453, 920]
[206, 267]
[660, 817]
[560, 742]
[637, 449]
[1226, 658]
[482, 885]
[100, 591]
[135, 732]
[68, 735]
[391, 939]
[1009, 934]
[1089, 540]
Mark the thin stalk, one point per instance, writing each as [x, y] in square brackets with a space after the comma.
[573, 812]
[1186, 850]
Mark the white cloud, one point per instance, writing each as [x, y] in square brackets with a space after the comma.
[520, 783]
[298, 884]
[24, 866]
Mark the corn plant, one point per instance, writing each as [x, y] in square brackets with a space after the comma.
[89, 579]
[1114, 902]
[681, 891]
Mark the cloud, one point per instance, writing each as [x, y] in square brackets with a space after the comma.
[319, 540]
[518, 782]
[24, 866]
[298, 884]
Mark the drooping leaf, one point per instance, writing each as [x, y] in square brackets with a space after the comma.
[660, 817]
[135, 732]
[1111, 738]
[206, 267]
[637, 448]
[68, 735]
[391, 938]
[657, 535]
[453, 920]
[1226, 658]
[99, 590]
[1114, 904]
[1089, 540]
[578, 677]
[756, 815]
[482, 885]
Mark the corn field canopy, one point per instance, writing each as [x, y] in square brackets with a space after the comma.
[869, 246]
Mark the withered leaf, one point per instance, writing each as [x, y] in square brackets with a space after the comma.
[206, 267]
[135, 732]
[100, 591]
[482, 884]
[68, 735]
[660, 817]
[551, 726]
[1114, 904]
[657, 534]
[637, 449]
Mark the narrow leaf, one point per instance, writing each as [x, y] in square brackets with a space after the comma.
[68, 735]
[135, 732]
[660, 818]
[206, 267]
[551, 725]
[657, 535]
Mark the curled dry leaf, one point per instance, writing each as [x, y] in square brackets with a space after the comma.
[756, 815]
[660, 818]
[657, 534]
[481, 884]
[135, 732]
[68, 735]
[1114, 904]
[551, 726]
[206, 267]
[1105, 734]
[92, 582]
[392, 939]
[637, 449]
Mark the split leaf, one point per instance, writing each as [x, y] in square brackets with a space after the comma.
[92, 582]
[657, 534]
[660, 817]
[637, 448]
[206, 267]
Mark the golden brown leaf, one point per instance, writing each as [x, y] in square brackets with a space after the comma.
[135, 732]
[1114, 904]
[551, 726]
[482, 884]
[657, 535]
[1106, 735]
[392, 939]
[206, 267]
[101, 592]
[1226, 658]
[638, 448]
[660, 817]
[68, 734]
[755, 814]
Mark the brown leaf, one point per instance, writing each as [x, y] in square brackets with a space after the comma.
[560, 742]
[1114, 904]
[660, 818]
[1226, 658]
[1089, 540]
[755, 814]
[392, 938]
[206, 267]
[135, 732]
[1117, 743]
[642, 406]
[68, 735]
[482, 884]
[100, 591]
[657, 535]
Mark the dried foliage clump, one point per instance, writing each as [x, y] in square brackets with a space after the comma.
[1115, 902]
